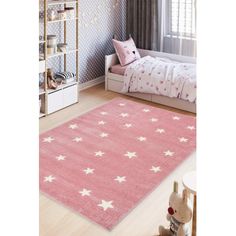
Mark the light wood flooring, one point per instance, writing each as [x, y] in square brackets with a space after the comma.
[144, 220]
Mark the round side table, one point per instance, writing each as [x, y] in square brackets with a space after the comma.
[190, 183]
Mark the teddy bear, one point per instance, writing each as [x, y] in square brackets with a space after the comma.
[179, 214]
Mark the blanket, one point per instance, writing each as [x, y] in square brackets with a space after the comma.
[162, 77]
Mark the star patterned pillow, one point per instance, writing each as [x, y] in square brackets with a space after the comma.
[126, 51]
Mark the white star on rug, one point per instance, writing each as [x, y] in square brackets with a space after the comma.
[154, 120]
[156, 169]
[78, 139]
[88, 171]
[168, 153]
[160, 131]
[128, 125]
[121, 104]
[183, 140]
[124, 114]
[85, 192]
[120, 179]
[49, 178]
[141, 139]
[73, 126]
[105, 204]
[103, 113]
[176, 118]
[99, 154]
[101, 122]
[61, 158]
[48, 140]
[191, 127]
[104, 135]
[130, 155]
[146, 110]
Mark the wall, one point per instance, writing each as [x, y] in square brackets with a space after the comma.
[99, 21]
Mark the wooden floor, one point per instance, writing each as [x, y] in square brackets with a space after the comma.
[144, 220]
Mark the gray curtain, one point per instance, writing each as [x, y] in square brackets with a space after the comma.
[142, 23]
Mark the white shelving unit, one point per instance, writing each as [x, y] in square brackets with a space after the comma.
[56, 21]
[58, 2]
[62, 86]
[62, 53]
[41, 115]
[65, 94]
[41, 91]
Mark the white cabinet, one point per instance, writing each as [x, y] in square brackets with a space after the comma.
[70, 95]
[62, 98]
[55, 101]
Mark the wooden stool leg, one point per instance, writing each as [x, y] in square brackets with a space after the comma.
[194, 224]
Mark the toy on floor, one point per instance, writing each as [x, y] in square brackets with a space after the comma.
[179, 214]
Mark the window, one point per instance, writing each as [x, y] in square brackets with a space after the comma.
[181, 18]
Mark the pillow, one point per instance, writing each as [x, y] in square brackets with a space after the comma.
[126, 51]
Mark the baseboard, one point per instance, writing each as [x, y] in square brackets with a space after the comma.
[92, 83]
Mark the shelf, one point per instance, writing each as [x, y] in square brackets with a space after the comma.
[57, 21]
[41, 115]
[60, 87]
[41, 91]
[62, 53]
[60, 2]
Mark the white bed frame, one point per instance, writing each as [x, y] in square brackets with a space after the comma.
[114, 82]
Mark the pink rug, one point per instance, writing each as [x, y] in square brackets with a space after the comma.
[103, 163]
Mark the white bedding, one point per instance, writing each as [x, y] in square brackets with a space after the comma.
[161, 76]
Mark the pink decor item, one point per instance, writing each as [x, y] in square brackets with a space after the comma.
[126, 51]
[103, 163]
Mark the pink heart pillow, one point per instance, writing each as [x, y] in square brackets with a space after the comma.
[126, 51]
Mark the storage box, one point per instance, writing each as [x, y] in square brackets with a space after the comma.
[62, 98]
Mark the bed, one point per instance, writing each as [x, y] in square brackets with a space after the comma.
[114, 80]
